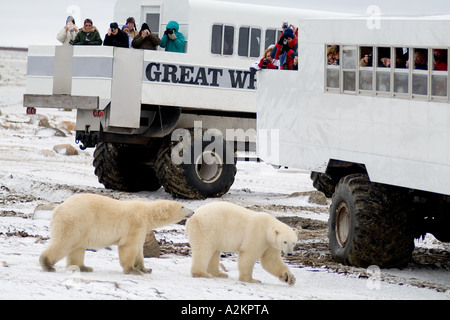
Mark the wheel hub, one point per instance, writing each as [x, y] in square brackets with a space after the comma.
[208, 167]
[343, 225]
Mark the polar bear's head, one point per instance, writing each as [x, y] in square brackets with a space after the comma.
[177, 211]
[285, 239]
[164, 212]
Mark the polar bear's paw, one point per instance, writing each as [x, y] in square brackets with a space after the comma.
[249, 280]
[220, 274]
[146, 270]
[135, 272]
[86, 269]
[201, 274]
[288, 278]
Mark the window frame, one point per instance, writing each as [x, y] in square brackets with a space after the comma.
[278, 33]
[249, 48]
[383, 70]
[420, 72]
[350, 69]
[367, 69]
[434, 73]
[401, 71]
[335, 68]
[222, 41]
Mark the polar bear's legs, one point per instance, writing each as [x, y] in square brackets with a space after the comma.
[139, 261]
[76, 258]
[52, 254]
[213, 267]
[127, 257]
[272, 262]
[201, 260]
[246, 262]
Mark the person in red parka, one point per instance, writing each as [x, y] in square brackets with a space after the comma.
[287, 48]
[268, 62]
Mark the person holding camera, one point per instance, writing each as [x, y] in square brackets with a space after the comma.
[173, 40]
[88, 35]
[116, 37]
[68, 34]
[287, 47]
[267, 62]
[146, 39]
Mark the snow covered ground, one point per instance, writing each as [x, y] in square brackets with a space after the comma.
[32, 175]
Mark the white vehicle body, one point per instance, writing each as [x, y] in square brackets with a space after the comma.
[195, 80]
[130, 102]
[401, 138]
[368, 114]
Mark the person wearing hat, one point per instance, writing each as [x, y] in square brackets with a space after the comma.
[146, 39]
[88, 35]
[127, 30]
[131, 23]
[116, 37]
[287, 48]
[68, 34]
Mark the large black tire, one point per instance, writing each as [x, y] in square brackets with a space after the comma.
[122, 167]
[369, 224]
[195, 179]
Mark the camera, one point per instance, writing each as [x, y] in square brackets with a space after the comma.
[169, 32]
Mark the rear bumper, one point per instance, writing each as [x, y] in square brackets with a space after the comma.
[61, 101]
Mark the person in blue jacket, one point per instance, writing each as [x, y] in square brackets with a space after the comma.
[173, 40]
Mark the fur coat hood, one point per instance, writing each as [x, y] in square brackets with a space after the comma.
[93, 29]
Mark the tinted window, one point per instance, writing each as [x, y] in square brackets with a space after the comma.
[222, 40]
[216, 41]
[244, 37]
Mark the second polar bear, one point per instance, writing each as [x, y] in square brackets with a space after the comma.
[225, 227]
[89, 221]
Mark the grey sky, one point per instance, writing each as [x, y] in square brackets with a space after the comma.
[27, 22]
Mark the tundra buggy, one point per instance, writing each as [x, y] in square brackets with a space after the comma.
[368, 114]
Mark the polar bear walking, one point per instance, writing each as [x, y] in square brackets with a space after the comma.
[89, 221]
[225, 227]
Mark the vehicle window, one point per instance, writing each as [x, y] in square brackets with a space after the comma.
[333, 79]
[349, 65]
[332, 64]
[401, 82]
[384, 57]
[439, 85]
[401, 58]
[255, 43]
[366, 68]
[228, 43]
[249, 42]
[244, 36]
[420, 59]
[399, 72]
[222, 40]
[383, 74]
[366, 57]
[271, 38]
[419, 63]
[439, 77]
[216, 41]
